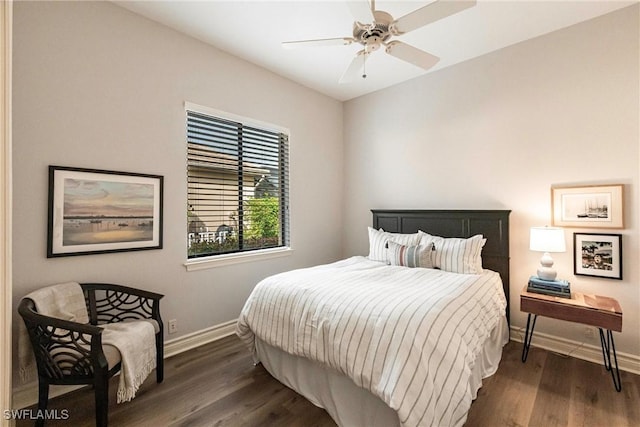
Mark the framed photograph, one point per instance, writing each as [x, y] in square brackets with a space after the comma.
[598, 255]
[97, 211]
[596, 206]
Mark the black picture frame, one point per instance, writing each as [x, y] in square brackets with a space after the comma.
[94, 211]
[597, 255]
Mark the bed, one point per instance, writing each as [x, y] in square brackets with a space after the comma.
[386, 345]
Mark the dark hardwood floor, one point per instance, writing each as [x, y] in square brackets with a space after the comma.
[217, 385]
[554, 390]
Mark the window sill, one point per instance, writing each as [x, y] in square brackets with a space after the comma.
[230, 259]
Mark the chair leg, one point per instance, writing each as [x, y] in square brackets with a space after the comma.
[101, 391]
[43, 398]
[159, 358]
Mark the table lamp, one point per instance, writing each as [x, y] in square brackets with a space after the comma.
[547, 239]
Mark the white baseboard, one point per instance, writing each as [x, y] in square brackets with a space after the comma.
[626, 362]
[27, 394]
[198, 338]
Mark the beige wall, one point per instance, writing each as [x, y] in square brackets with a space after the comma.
[97, 86]
[497, 132]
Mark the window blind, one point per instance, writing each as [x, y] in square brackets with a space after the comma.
[238, 181]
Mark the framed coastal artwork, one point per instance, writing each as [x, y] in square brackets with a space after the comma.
[595, 206]
[598, 255]
[97, 211]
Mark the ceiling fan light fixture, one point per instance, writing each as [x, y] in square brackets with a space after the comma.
[374, 28]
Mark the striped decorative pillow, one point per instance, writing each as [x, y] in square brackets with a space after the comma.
[411, 256]
[456, 255]
[378, 241]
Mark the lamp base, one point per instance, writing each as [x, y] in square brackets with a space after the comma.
[547, 273]
[546, 270]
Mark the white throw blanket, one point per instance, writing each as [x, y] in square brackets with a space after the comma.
[137, 345]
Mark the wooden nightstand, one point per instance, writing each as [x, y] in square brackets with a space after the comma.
[594, 310]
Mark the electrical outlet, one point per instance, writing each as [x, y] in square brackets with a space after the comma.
[173, 326]
[589, 332]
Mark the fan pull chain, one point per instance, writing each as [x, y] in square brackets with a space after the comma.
[364, 66]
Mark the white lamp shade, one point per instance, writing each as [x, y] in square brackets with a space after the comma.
[547, 239]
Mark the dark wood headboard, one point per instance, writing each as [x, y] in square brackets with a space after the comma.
[493, 224]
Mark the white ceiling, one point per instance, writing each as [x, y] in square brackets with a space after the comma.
[254, 30]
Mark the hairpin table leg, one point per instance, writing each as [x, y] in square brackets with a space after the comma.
[608, 345]
[528, 334]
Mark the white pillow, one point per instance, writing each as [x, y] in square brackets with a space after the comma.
[426, 238]
[455, 254]
[378, 240]
[411, 256]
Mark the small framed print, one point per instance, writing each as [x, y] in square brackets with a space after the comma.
[595, 206]
[96, 211]
[598, 255]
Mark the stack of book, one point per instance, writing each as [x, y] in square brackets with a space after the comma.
[558, 288]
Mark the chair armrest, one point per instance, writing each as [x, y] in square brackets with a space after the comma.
[109, 303]
[63, 348]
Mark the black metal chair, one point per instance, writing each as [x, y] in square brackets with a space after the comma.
[70, 353]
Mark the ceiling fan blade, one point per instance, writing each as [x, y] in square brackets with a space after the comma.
[430, 13]
[411, 54]
[319, 42]
[353, 70]
[361, 11]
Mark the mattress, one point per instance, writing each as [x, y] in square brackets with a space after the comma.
[411, 337]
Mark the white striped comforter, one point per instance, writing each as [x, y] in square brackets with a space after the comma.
[408, 335]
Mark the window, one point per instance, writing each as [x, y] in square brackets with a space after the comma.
[238, 185]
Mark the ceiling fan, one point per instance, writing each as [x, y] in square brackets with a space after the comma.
[375, 28]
